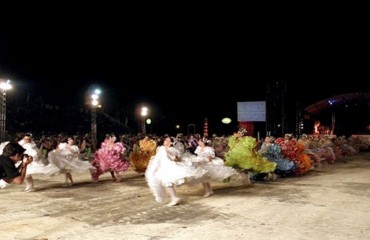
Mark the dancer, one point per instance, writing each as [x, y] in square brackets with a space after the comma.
[110, 158]
[66, 158]
[243, 156]
[142, 153]
[216, 170]
[36, 165]
[272, 152]
[165, 171]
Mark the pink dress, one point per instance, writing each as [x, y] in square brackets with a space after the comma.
[109, 158]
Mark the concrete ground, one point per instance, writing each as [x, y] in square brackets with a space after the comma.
[330, 202]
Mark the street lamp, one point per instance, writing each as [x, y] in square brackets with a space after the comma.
[144, 113]
[226, 120]
[4, 86]
[225, 128]
[94, 105]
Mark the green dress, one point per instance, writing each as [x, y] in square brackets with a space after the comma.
[242, 155]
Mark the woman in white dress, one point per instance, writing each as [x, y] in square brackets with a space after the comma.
[36, 166]
[216, 170]
[66, 159]
[165, 171]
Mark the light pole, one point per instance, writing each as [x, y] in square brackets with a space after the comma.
[191, 125]
[149, 122]
[226, 121]
[94, 105]
[178, 128]
[4, 86]
[144, 113]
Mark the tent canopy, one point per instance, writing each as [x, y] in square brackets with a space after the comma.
[337, 100]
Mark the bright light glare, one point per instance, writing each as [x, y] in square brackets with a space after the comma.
[6, 85]
[95, 96]
[144, 111]
[226, 120]
[94, 102]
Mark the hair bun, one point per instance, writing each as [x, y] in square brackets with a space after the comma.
[242, 131]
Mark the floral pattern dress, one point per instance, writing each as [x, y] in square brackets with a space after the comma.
[110, 158]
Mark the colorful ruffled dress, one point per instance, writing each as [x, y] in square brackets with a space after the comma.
[109, 158]
[242, 155]
[141, 154]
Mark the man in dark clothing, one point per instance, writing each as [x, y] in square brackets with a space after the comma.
[9, 173]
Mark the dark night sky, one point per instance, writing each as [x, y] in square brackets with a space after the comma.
[60, 54]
